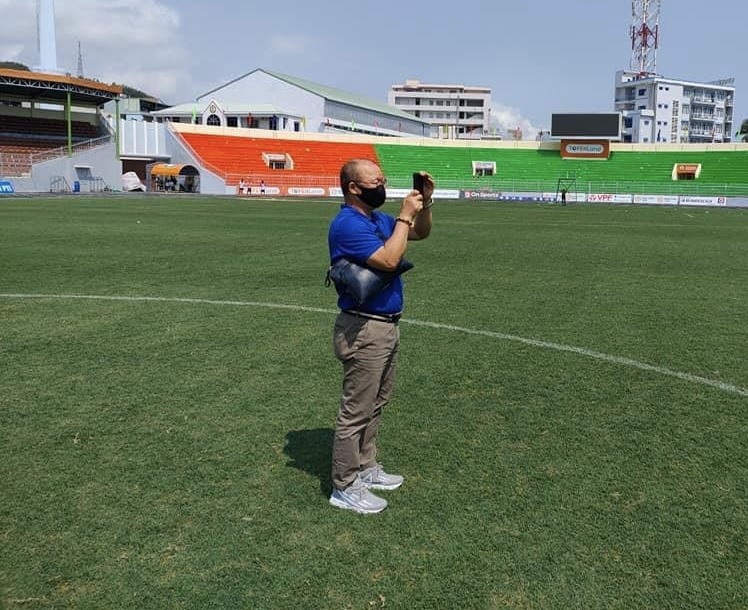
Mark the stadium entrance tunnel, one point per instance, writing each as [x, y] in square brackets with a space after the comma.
[168, 177]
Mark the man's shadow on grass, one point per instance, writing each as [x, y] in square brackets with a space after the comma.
[311, 452]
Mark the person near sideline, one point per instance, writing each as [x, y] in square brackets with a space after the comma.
[366, 337]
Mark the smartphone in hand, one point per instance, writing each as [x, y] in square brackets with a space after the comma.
[418, 182]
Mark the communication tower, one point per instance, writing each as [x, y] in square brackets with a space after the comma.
[80, 61]
[645, 34]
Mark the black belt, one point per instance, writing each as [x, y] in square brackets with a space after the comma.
[392, 318]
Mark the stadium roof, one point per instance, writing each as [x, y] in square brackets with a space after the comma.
[55, 87]
[329, 93]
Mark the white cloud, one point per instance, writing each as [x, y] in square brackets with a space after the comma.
[505, 120]
[132, 42]
[18, 32]
[290, 45]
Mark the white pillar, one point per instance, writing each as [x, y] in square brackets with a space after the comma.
[46, 35]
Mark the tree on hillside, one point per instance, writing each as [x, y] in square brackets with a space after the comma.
[743, 133]
[133, 92]
[13, 65]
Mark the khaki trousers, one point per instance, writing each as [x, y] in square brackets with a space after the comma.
[368, 350]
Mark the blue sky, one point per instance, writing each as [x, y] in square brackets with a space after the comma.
[538, 56]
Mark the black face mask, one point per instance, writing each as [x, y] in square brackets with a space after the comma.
[375, 197]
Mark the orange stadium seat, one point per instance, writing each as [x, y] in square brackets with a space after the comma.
[238, 157]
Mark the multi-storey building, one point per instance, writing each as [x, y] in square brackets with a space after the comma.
[657, 109]
[453, 111]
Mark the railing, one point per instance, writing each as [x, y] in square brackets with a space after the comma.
[19, 164]
[59, 184]
[62, 151]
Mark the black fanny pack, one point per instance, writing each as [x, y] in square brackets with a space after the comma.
[360, 282]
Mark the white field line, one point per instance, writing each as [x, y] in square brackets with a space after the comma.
[582, 351]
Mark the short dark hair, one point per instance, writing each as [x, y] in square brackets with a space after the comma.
[348, 174]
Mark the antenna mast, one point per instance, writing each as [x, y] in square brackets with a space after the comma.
[645, 34]
[80, 61]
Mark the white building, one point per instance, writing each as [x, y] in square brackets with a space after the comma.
[453, 111]
[657, 109]
[263, 99]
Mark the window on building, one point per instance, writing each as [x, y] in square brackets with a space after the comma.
[642, 91]
[232, 121]
[214, 120]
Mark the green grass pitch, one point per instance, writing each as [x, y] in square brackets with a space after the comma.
[570, 415]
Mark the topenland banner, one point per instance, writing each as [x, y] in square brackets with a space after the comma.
[587, 149]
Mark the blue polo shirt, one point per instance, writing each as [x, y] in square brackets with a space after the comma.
[355, 236]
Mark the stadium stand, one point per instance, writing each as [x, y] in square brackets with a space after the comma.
[23, 137]
[310, 160]
[236, 157]
[539, 169]
[36, 139]
[16, 126]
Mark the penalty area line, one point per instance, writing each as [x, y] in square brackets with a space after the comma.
[560, 347]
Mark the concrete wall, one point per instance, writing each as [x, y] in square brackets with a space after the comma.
[102, 161]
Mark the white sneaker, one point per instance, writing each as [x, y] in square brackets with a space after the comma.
[358, 498]
[376, 478]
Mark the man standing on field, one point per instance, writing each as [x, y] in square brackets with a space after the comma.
[366, 336]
